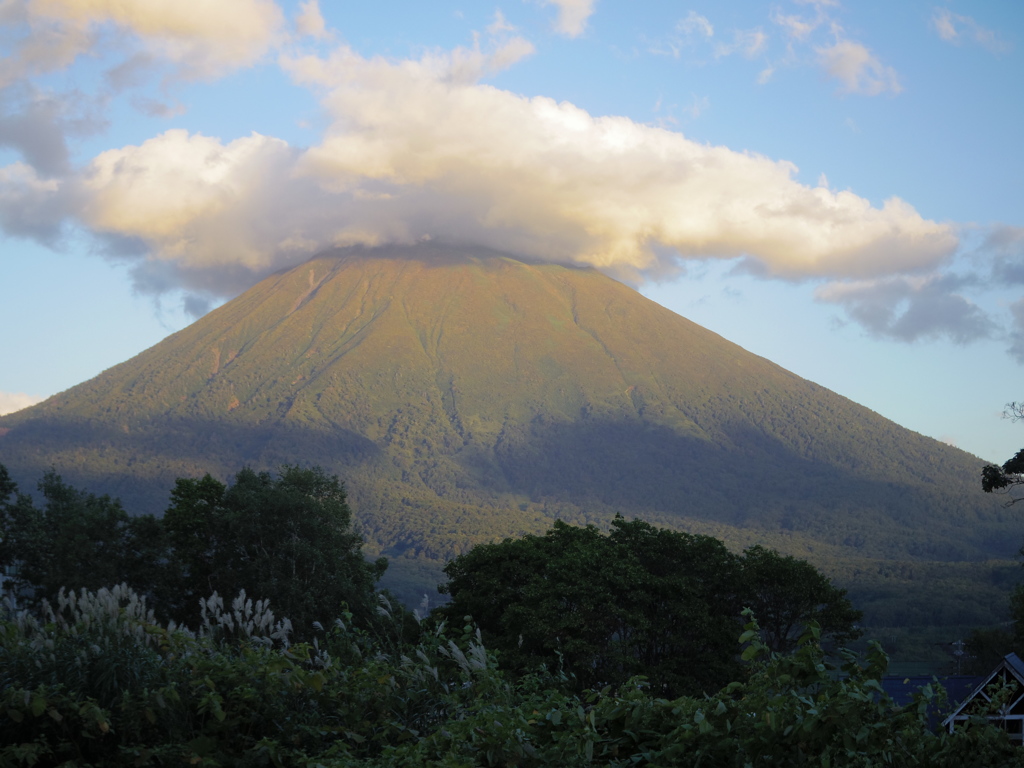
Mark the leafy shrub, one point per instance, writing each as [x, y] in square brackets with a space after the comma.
[97, 680]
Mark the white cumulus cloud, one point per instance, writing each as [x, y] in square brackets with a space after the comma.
[549, 179]
[421, 149]
[206, 214]
[201, 38]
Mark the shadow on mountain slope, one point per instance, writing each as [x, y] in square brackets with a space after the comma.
[591, 468]
[909, 553]
[140, 465]
[651, 471]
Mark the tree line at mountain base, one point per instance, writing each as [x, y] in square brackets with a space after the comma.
[288, 539]
[638, 600]
[605, 607]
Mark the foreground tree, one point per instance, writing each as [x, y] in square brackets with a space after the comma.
[75, 540]
[288, 539]
[640, 600]
[1010, 476]
[787, 594]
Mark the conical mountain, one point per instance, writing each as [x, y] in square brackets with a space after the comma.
[464, 396]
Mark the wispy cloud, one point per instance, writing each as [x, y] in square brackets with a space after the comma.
[858, 69]
[955, 28]
[572, 16]
[747, 42]
[798, 38]
[500, 24]
[796, 26]
[694, 23]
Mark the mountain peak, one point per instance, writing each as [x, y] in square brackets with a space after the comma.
[465, 395]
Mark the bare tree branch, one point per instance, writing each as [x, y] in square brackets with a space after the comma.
[1006, 478]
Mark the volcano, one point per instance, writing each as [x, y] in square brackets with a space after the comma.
[465, 396]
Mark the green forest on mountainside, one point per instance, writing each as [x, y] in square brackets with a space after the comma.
[468, 397]
[912, 572]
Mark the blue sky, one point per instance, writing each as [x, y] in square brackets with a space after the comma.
[836, 187]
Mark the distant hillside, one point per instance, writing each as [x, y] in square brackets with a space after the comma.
[467, 396]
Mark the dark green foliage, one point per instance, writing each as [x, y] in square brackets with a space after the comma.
[1005, 478]
[101, 682]
[986, 646]
[287, 539]
[638, 601]
[608, 607]
[76, 540]
[196, 531]
[8, 487]
[680, 596]
[1010, 475]
[786, 594]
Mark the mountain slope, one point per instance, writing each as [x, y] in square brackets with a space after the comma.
[466, 396]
